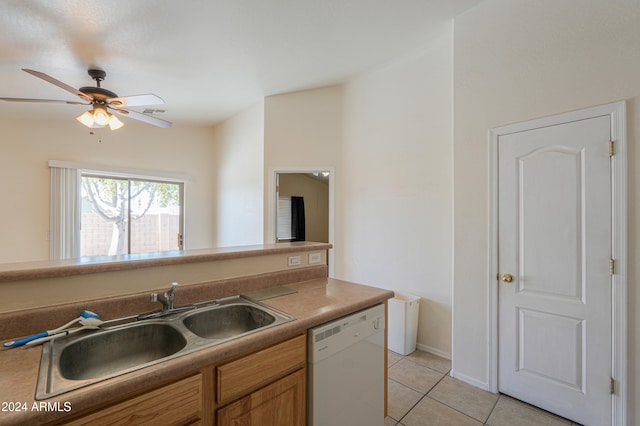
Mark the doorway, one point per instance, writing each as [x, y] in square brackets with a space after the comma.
[311, 190]
[558, 262]
[315, 185]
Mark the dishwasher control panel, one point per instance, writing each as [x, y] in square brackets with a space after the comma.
[332, 337]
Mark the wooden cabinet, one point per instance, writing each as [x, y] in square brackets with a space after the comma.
[244, 375]
[179, 403]
[268, 387]
[280, 403]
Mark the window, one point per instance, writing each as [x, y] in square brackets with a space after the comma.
[123, 215]
[98, 211]
[284, 219]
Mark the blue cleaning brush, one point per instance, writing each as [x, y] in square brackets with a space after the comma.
[85, 324]
[19, 342]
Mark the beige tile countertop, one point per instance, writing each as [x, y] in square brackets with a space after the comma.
[315, 302]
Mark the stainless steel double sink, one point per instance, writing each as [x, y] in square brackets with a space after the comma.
[130, 344]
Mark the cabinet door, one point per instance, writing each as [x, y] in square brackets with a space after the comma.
[175, 404]
[280, 403]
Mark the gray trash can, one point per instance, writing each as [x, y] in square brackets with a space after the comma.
[403, 323]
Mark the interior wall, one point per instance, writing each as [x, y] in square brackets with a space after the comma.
[28, 145]
[396, 185]
[316, 203]
[239, 178]
[515, 61]
[302, 130]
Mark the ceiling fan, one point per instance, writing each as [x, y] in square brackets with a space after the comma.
[101, 100]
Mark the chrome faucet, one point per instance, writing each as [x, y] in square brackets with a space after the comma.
[166, 299]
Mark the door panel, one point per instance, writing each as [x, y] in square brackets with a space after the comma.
[562, 367]
[549, 197]
[554, 225]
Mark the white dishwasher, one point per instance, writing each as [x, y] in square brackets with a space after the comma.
[346, 371]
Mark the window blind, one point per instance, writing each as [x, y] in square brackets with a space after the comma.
[284, 218]
[64, 213]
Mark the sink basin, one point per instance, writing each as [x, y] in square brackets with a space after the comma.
[222, 322]
[112, 351]
[78, 360]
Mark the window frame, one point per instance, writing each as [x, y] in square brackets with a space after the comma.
[82, 169]
[129, 180]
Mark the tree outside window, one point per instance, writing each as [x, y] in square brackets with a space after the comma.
[125, 215]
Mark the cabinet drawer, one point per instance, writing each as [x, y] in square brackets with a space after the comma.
[178, 403]
[240, 377]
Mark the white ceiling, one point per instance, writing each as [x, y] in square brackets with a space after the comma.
[208, 59]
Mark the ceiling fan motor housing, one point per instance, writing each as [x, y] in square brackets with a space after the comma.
[99, 94]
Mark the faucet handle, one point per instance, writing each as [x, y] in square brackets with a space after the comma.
[173, 288]
[154, 297]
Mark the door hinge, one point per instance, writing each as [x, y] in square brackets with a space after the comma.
[612, 386]
[611, 148]
[612, 268]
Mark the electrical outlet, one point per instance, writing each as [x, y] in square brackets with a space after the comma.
[315, 258]
[294, 261]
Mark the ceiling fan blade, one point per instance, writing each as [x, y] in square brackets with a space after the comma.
[142, 117]
[136, 100]
[46, 101]
[58, 83]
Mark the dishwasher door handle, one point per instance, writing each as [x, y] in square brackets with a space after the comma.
[376, 324]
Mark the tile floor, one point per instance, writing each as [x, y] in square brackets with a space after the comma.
[421, 392]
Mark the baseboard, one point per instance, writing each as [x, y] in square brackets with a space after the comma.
[434, 351]
[462, 377]
[470, 380]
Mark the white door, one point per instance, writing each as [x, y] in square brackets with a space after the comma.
[554, 246]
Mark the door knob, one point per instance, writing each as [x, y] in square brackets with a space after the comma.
[507, 278]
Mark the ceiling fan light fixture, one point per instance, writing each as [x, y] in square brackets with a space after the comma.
[100, 115]
[87, 119]
[94, 119]
[115, 123]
